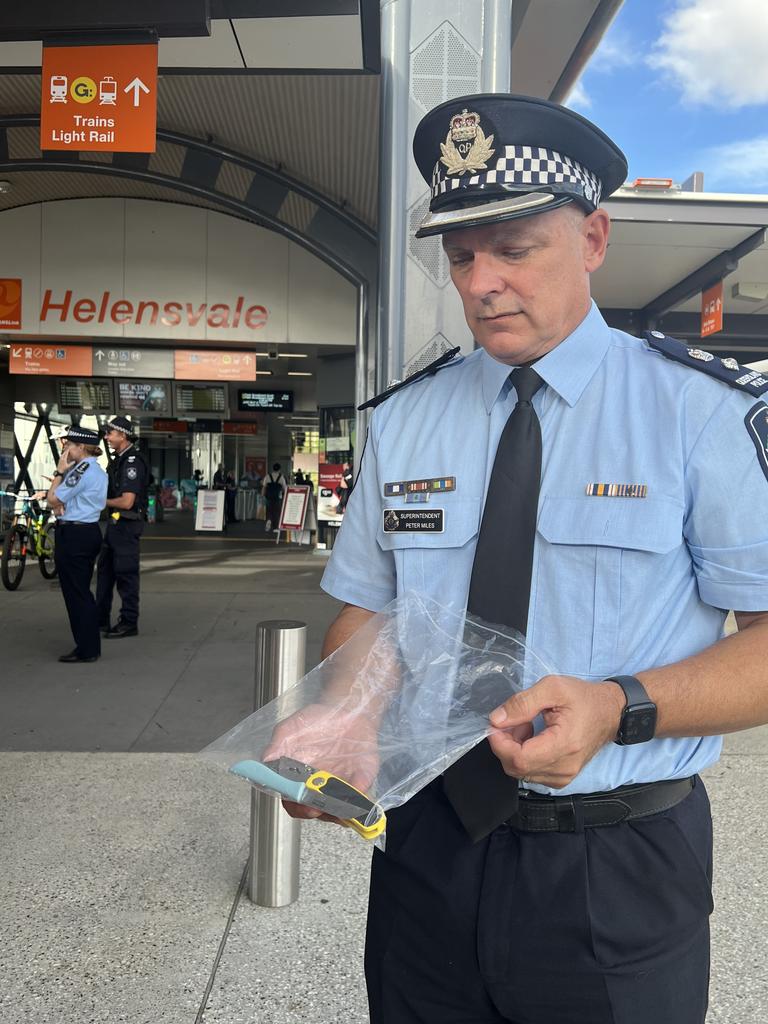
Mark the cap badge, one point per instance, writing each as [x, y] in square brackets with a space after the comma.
[698, 353]
[466, 149]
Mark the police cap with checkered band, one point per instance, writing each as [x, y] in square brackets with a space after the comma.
[497, 156]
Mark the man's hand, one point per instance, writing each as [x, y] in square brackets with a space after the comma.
[332, 739]
[579, 719]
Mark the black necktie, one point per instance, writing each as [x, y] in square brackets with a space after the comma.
[499, 592]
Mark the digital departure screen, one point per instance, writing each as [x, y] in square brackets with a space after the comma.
[95, 395]
[143, 396]
[200, 398]
[258, 401]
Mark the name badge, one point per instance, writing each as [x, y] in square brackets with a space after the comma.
[413, 520]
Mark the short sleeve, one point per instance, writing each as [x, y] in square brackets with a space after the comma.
[360, 572]
[727, 498]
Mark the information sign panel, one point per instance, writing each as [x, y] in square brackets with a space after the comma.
[91, 395]
[110, 361]
[329, 479]
[143, 396]
[99, 98]
[210, 510]
[294, 510]
[255, 401]
[39, 358]
[200, 398]
[192, 364]
[712, 310]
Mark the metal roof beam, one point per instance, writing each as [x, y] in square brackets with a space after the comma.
[707, 275]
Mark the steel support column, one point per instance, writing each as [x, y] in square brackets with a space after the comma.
[432, 50]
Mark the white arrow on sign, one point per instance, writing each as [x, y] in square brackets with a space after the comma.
[17, 353]
[100, 354]
[138, 86]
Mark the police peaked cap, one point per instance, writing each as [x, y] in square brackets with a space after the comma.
[81, 435]
[121, 423]
[497, 156]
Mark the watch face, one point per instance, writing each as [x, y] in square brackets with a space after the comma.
[638, 724]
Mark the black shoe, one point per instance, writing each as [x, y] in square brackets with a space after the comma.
[120, 630]
[105, 629]
[73, 656]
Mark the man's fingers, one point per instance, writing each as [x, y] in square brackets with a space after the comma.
[526, 705]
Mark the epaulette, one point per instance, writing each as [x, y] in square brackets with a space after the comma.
[728, 370]
[398, 385]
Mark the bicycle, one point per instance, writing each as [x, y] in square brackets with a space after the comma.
[30, 531]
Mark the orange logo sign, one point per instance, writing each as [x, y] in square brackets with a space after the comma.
[99, 98]
[10, 303]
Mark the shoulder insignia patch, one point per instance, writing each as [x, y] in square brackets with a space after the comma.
[74, 476]
[753, 382]
[444, 360]
[756, 422]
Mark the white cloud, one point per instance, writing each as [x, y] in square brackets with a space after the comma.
[737, 165]
[578, 97]
[715, 51]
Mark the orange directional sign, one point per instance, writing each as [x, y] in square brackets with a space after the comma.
[712, 310]
[39, 358]
[99, 98]
[196, 364]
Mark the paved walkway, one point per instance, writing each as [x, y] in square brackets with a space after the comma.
[123, 854]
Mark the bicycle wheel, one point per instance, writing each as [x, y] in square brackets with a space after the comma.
[47, 547]
[14, 558]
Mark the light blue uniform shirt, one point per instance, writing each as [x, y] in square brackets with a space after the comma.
[619, 584]
[83, 491]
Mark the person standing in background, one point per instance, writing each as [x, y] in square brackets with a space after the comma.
[78, 493]
[274, 488]
[127, 504]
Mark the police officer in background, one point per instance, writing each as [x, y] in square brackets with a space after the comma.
[604, 496]
[77, 494]
[127, 509]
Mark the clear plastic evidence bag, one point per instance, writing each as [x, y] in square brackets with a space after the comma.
[407, 695]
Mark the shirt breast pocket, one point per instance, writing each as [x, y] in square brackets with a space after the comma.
[600, 556]
[438, 564]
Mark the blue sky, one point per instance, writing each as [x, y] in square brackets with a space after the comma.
[682, 86]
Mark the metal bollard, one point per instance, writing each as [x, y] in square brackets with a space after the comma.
[273, 875]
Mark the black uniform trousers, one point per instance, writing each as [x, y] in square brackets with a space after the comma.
[77, 547]
[119, 565]
[609, 925]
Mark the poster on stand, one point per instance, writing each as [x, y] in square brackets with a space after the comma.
[329, 480]
[210, 510]
[294, 510]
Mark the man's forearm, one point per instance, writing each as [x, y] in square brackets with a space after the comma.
[123, 503]
[347, 622]
[722, 689]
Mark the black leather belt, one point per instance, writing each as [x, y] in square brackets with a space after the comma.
[539, 813]
[76, 522]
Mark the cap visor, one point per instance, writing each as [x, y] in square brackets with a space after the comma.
[502, 209]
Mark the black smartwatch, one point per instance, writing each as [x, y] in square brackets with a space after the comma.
[638, 719]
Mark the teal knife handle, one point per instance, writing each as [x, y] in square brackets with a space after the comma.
[257, 772]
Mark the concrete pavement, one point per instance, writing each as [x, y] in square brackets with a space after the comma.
[123, 854]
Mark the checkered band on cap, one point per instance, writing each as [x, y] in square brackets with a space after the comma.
[527, 168]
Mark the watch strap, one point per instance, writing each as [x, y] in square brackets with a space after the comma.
[633, 689]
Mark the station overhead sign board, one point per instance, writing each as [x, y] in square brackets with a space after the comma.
[111, 361]
[46, 360]
[193, 364]
[99, 98]
[712, 310]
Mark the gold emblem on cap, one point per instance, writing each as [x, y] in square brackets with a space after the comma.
[466, 149]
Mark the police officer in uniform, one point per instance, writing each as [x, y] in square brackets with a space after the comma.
[77, 493]
[127, 509]
[605, 496]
